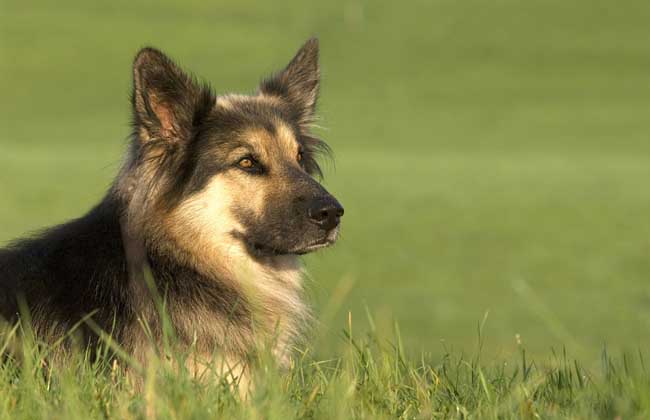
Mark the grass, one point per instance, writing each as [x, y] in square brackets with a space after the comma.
[492, 157]
[371, 378]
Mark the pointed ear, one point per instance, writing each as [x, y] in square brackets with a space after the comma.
[165, 99]
[298, 83]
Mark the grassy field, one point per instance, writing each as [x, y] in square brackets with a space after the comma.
[493, 158]
[368, 379]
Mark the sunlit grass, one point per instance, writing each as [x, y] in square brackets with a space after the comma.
[369, 378]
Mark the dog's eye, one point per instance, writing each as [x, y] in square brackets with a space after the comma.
[246, 163]
[250, 165]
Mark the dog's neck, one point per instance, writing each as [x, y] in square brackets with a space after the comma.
[238, 300]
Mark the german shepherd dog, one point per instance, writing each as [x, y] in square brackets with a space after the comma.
[216, 201]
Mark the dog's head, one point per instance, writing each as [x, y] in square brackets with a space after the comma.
[233, 167]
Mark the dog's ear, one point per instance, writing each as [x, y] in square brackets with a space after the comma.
[167, 103]
[298, 83]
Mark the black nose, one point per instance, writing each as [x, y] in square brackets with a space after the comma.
[326, 213]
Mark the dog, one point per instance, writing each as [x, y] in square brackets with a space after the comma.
[214, 204]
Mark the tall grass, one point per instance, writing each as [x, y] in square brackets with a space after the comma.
[370, 378]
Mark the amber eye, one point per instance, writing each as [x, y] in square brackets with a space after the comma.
[246, 163]
[299, 157]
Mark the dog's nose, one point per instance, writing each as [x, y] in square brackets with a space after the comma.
[326, 213]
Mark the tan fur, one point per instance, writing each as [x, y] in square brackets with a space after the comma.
[228, 101]
[286, 139]
[271, 286]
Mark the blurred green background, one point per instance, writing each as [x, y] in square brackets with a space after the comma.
[492, 156]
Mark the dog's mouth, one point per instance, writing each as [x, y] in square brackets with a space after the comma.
[329, 239]
[266, 250]
[323, 243]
